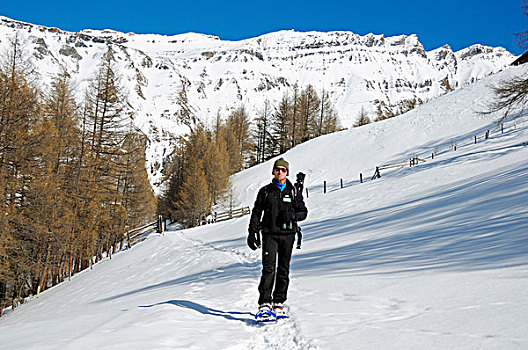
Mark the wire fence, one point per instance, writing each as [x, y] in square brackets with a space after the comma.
[452, 145]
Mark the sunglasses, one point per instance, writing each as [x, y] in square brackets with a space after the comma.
[284, 170]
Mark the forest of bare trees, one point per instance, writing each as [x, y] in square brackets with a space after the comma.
[72, 175]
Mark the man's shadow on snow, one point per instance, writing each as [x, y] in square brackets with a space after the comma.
[229, 315]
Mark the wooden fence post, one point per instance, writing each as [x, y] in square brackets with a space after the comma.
[306, 192]
[432, 155]
[475, 139]
[325, 187]
[377, 174]
[502, 128]
[361, 177]
[341, 183]
[159, 225]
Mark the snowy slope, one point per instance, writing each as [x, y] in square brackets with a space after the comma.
[451, 119]
[429, 257]
[357, 71]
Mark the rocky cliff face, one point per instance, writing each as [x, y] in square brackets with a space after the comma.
[357, 71]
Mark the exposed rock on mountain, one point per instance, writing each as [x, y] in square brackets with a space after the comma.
[369, 72]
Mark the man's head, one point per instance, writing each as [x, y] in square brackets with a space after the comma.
[280, 170]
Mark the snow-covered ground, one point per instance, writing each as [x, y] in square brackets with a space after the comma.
[429, 257]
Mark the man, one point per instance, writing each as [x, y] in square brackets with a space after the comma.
[282, 207]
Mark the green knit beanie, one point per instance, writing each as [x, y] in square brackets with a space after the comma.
[281, 162]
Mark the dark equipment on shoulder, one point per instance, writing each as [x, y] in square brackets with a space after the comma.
[299, 186]
[299, 183]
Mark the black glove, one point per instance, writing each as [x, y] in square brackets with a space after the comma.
[252, 240]
[286, 216]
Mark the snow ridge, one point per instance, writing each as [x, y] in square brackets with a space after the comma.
[357, 71]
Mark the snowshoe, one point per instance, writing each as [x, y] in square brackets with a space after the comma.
[265, 314]
[279, 310]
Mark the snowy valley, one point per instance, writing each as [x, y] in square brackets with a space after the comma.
[432, 256]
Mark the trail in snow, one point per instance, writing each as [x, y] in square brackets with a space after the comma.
[281, 335]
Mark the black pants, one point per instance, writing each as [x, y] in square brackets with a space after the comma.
[274, 247]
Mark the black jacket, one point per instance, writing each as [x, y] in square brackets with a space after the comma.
[275, 203]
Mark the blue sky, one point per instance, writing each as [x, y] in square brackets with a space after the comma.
[458, 23]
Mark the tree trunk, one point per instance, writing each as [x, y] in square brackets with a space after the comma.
[35, 285]
[54, 278]
[70, 265]
[44, 280]
[3, 290]
[14, 296]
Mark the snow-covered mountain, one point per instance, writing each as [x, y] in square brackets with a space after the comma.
[357, 71]
[426, 257]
